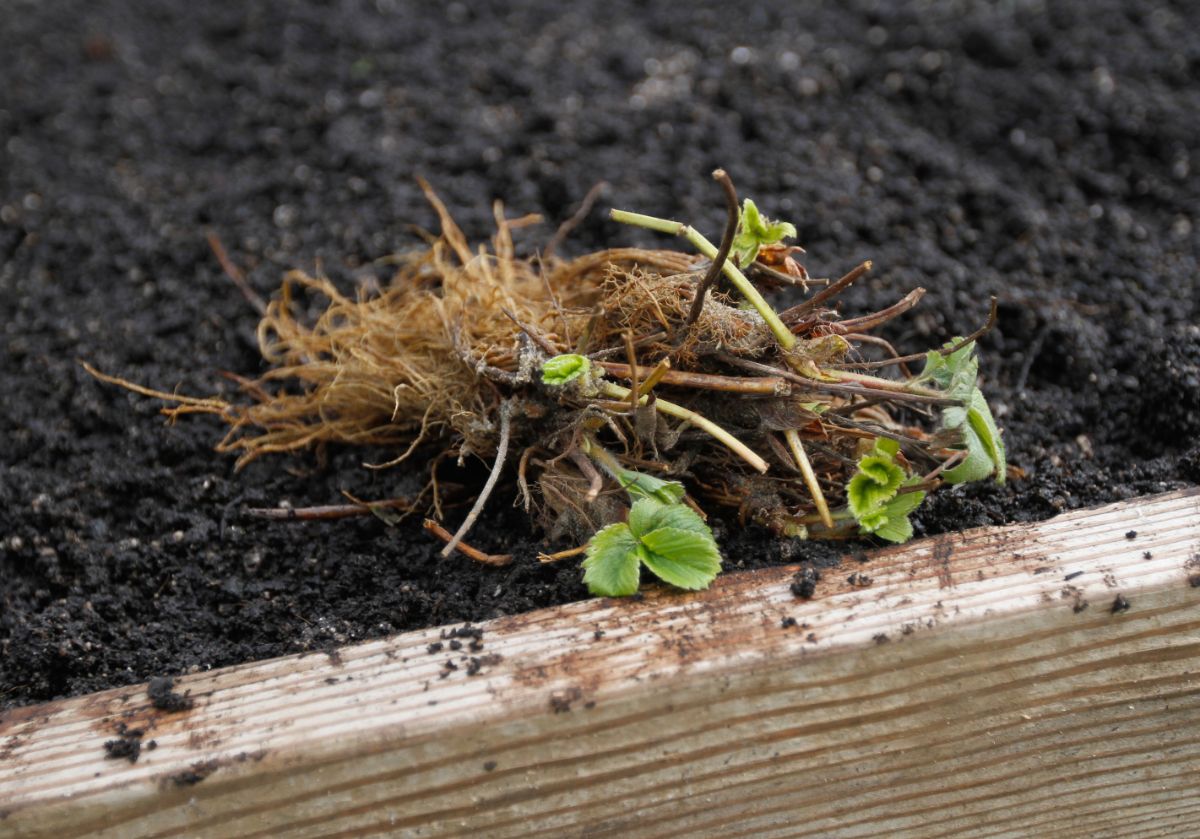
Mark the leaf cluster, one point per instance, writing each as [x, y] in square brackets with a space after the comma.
[957, 374]
[755, 230]
[874, 495]
[663, 534]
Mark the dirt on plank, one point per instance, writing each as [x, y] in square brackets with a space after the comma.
[1042, 155]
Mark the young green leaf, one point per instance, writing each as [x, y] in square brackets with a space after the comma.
[611, 567]
[640, 485]
[957, 374]
[648, 515]
[561, 369]
[681, 557]
[896, 526]
[874, 496]
[754, 231]
[668, 538]
[876, 481]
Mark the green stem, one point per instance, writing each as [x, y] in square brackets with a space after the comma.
[783, 335]
[810, 477]
[877, 383]
[679, 412]
[602, 456]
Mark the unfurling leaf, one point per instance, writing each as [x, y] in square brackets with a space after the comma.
[754, 231]
[957, 374]
[874, 495]
[562, 369]
[876, 481]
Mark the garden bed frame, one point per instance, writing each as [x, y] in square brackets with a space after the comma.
[1039, 679]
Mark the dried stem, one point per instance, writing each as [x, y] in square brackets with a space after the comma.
[564, 229]
[796, 312]
[466, 550]
[328, 512]
[718, 263]
[893, 394]
[659, 373]
[567, 554]
[501, 454]
[810, 477]
[883, 315]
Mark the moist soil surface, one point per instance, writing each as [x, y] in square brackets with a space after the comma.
[1043, 153]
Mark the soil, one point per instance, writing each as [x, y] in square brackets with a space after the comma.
[1044, 153]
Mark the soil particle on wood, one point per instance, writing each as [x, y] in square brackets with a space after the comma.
[194, 774]
[164, 697]
[804, 584]
[1040, 154]
[127, 745]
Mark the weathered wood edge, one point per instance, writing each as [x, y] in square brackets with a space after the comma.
[375, 737]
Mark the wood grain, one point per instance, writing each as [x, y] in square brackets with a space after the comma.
[970, 689]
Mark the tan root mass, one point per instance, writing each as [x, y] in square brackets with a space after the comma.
[447, 359]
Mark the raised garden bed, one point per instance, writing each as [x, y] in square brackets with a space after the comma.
[994, 677]
[1025, 680]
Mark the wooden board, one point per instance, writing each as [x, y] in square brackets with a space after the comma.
[981, 683]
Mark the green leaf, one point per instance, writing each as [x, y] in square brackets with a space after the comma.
[980, 437]
[957, 374]
[682, 558]
[639, 485]
[756, 230]
[875, 482]
[611, 567]
[874, 496]
[984, 424]
[561, 369]
[904, 503]
[897, 530]
[649, 514]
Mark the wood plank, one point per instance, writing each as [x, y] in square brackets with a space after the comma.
[981, 682]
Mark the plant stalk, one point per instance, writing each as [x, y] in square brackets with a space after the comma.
[810, 477]
[679, 412]
[783, 335]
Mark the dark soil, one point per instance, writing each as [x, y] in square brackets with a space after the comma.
[1044, 153]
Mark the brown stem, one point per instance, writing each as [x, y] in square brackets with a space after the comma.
[714, 270]
[327, 512]
[832, 387]
[978, 333]
[634, 384]
[534, 334]
[567, 554]
[883, 315]
[574, 221]
[787, 279]
[796, 312]
[595, 479]
[235, 273]
[466, 550]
